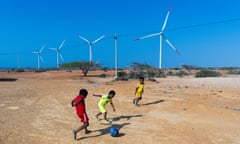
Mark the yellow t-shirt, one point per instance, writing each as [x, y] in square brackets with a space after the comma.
[104, 100]
[139, 90]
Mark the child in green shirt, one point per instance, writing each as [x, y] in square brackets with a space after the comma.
[102, 103]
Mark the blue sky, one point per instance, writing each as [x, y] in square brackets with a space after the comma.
[26, 25]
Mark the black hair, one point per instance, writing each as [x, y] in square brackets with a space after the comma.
[141, 78]
[112, 92]
[83, 92]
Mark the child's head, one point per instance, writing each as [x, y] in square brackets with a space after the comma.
[83, 92]
[111, 93]
[141, 79]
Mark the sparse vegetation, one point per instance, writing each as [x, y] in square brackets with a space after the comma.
[234, 71]
[122, 75]
[145, 70]
[39, 70]
[19, 70]
[207, 73]
[190, 67]
[84, 66]
[103, 75]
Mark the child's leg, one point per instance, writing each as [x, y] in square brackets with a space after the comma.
[98, 114]
[84, 126]
[105, 118]
[87, 131]
[134, 100]
[105, 115]
[137, 100]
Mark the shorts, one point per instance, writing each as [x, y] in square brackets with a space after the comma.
[102, 109]
[83, 117]
[139, 95]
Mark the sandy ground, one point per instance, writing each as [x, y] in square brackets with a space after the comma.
[36, 109]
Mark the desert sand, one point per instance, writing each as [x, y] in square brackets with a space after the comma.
[36, 109]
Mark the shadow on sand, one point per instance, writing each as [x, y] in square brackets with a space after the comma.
[151, 103]
[105, 131]
[8, 79]
[127, 117]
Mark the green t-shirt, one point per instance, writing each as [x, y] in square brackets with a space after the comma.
[104, 100]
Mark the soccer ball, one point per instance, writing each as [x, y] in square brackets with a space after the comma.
[113, 132]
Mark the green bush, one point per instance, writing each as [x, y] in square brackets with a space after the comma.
[234, 71]
[20, 70]
[102, 75]
[39, 71]
[207, 73]
[122, 76]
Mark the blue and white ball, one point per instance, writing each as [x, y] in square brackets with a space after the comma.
[114, 132]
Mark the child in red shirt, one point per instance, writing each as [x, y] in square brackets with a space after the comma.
[79, 104]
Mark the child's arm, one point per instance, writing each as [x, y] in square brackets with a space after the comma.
[73, 103]
[113, 107]
[97, 95]
[76, 103]
[136, 90]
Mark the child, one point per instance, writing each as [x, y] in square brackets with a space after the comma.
[79, 104]
[139, 91]
[101, 105]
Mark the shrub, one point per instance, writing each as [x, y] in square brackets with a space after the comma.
[160, 73]
[182, 73]
[20, 70]
[102, 75]
[207, 73]
[234, 71]
[122, 76]
[39, 71]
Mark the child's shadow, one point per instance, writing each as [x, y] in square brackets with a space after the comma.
[105, 131]
[154, 102]
[127, 117]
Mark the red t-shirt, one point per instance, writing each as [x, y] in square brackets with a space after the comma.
[80, 107]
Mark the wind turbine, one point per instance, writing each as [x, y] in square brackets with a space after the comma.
[116, 56]
[38, 53]
[162, 36]
[90, 43]
[58, 52]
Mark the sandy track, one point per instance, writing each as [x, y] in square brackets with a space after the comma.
[36, 109]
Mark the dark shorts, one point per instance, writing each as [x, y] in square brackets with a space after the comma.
[83, 117]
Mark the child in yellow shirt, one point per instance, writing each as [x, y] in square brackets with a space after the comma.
[139, 91]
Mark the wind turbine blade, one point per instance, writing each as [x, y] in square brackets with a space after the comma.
[98, 39]
[60, 55]
[147, 36]
[83, 38]
[41, 58]
[35, 52]
[165, 21]
[42, 49]
[62, 44]
[53, 49]
[171, 45]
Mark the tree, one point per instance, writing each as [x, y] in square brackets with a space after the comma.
[145, 70]
[84, 66]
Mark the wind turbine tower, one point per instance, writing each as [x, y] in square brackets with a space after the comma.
[116, 56]
[162, 36]
[59, 55]
[38, 53]
[90, 44]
